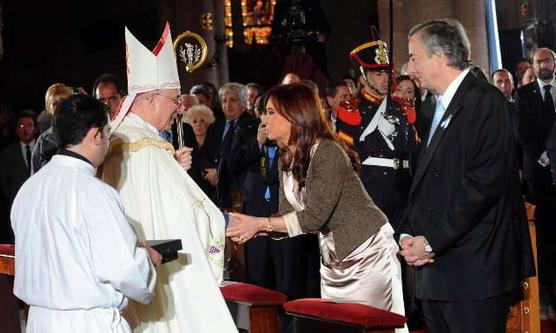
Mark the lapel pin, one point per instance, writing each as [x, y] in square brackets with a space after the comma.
[446, 122]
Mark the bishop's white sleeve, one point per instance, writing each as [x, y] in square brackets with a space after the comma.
[116, 259]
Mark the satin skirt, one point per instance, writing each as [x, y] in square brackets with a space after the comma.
[369, 275]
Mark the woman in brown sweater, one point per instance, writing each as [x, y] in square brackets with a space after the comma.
[322, 193]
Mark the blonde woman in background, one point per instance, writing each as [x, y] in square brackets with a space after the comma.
[46, 146]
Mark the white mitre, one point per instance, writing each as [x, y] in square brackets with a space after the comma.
[147, 70]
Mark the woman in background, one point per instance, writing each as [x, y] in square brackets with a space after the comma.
[205, 152]
[46, 145]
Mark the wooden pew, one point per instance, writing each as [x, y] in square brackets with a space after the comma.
[9, 305]
[253, 308]
[524, 315]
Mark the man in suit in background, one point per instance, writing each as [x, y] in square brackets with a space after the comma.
[535, 102]
[108, 89]
[465, 224]
[503, 80]
[15, 168]
[335, 93]
[238, 149]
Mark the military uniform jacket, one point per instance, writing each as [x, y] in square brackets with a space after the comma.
[374, 144]
[387, 186]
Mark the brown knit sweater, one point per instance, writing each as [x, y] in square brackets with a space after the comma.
[336, 201]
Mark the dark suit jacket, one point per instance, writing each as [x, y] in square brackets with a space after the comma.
[256, 182]
[13, 173]
[534, 125]
[205, 157]
[188, 136]
[237, 152]
[465, 200]
[551, 148]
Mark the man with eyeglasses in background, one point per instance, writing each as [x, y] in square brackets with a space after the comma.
[107, 89]
[15, 169]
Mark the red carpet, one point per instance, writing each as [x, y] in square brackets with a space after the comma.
[548, 326]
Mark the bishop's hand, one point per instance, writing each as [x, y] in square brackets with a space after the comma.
[183, 156]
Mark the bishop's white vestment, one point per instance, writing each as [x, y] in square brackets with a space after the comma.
[77, 260]
[163, 202]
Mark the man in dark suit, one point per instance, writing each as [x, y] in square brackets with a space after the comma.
[336, 92]
[15, 169]
[503, 80]
[465, 226]
[238, 133]
[108, 89]
[535, 119]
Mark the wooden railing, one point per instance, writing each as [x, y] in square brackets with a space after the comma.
[524, 316]
[9, 306]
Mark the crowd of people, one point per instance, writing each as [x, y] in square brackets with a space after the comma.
[411, 201]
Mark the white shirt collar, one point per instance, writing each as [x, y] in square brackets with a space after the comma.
[31, 145]
[542, 83]
[446, 98]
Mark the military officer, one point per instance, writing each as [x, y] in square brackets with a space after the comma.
[379, 131]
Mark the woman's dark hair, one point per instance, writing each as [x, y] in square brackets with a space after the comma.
[415, 88]
[75, 116]
[260, 105]
[300, 105]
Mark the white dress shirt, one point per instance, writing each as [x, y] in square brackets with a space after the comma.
[552, 90]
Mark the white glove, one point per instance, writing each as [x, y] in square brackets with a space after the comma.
[544, 160]
[385, 127]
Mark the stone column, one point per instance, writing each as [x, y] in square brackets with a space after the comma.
[407, 13]
[206, 18]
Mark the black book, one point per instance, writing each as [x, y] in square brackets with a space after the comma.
[168, 248]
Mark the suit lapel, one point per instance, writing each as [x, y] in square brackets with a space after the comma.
[537, 96]
[427, 153]
[21, 159]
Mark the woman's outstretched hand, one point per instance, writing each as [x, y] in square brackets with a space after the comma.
[242, 228]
